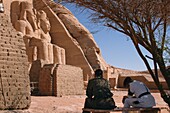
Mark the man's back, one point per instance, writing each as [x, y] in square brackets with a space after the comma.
[138, 88]
[95, 86]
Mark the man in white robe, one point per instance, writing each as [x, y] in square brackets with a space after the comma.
[138, 95]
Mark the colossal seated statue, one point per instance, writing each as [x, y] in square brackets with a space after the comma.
[35, 27]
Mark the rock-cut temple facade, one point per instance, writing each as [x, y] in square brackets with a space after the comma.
[45, 50]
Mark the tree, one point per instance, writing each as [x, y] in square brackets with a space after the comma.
[145, 22]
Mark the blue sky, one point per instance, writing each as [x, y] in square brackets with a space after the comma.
[116, 49]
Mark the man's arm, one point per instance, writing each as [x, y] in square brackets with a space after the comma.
[130, 93]
[108, 84]
[89, 89]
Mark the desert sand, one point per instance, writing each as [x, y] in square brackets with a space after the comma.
[73, 104]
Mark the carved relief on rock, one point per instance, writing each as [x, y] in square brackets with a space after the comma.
[81, 34]
[35, 27]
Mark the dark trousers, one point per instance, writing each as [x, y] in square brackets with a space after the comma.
[104, 103]
[88, 104]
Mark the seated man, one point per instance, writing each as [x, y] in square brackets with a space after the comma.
[98, 93]
[138, 94]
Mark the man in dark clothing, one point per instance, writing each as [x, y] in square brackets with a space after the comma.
[98, 93]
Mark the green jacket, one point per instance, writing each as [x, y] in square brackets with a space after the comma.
[98, 88]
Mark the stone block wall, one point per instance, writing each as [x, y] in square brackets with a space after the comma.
[60, 80]
[46, 79]
[69, 80]
[14, 79]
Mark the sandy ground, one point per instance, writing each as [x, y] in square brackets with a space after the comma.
[72, 104]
